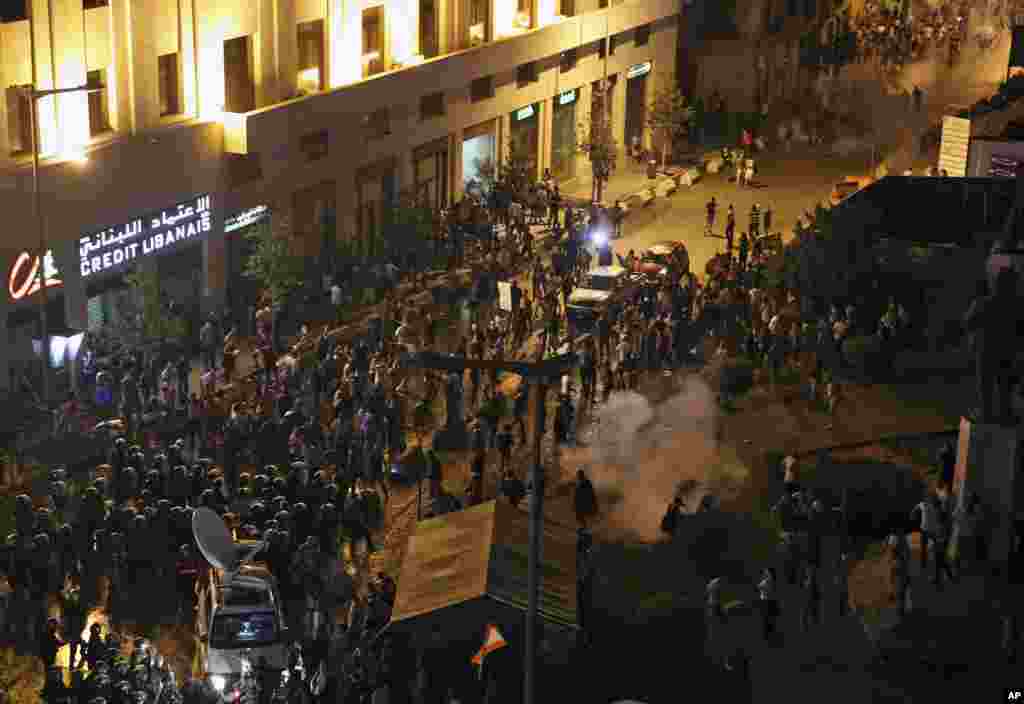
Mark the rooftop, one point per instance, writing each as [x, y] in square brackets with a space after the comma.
[957, 211]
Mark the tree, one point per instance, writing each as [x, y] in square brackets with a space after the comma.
[671, 116]
[156, 323]
[596, 140]
[516, 171]
[274, 264]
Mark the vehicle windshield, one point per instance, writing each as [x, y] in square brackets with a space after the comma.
[248, 630]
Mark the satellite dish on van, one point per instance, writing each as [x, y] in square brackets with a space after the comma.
[214, 540]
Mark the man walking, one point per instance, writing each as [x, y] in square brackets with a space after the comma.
[711, 208]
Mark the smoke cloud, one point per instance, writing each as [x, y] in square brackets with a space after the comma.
[639, 453]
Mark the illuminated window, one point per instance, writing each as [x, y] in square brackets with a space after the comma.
[526, 74]
[373, 41]
[643, 35]
[432, 106]
[481, 89]
[568, 61]
[239, 88]
[167, 67]
[524, 14]
[315, 145]
[19, 119]
[428, 28]
[311, 56]
[479, 27]
[99, 115]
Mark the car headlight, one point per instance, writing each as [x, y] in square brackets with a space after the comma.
[218, 682]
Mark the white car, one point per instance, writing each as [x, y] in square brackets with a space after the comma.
[240, 620]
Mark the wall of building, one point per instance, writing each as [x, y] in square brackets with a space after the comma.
[148, 162]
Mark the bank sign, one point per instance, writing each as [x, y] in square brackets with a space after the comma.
[116, 247]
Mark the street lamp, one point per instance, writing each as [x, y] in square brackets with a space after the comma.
[35, 96]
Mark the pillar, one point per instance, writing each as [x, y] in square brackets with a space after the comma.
[287, 50]
[122, 110]
[187, 57]
[142, 79]
[455, 165]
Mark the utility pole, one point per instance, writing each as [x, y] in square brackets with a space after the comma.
[542, 373]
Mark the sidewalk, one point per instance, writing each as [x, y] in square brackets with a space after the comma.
[627, 179]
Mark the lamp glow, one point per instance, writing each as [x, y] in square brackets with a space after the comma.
[77, 155]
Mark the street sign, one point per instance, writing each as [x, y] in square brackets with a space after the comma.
[956, 138]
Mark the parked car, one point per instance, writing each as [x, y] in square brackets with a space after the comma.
[657, 259]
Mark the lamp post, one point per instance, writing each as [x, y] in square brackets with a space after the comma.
[44, 331]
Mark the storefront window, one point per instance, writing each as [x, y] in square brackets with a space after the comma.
[563, 137]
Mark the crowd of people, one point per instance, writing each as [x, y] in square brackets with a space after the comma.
[296, 445]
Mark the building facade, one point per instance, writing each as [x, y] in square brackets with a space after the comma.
[747, 52]
[220, 115]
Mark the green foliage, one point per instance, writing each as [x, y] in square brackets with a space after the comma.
[595, 138]
[670, 115]
[274, 264]
[156, 323]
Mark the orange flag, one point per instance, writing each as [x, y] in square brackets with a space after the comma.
[493, 640]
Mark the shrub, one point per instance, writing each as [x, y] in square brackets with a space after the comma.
[863, 353]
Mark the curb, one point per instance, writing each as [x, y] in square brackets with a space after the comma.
[874, 441]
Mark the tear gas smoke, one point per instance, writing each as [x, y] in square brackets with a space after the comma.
[638, 454]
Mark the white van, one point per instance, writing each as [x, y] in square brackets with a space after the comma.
[241, 614]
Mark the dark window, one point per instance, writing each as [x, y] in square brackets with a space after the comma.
[568, 60]
[93, 4]
[19, 119]
[14, 11]
[243, 169]
[315, 145]
[567, 8]
[791, 8]
[811, 9]
[99, 116]
[373, 27]
[239, 89]
[643, 34]
[481, 89]
[432, 106]
[168, 77]
[378, 123]
[311, 55]
[615, 40]
[526, 74]
[428, 28]
[601, 49]
[602, 4]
